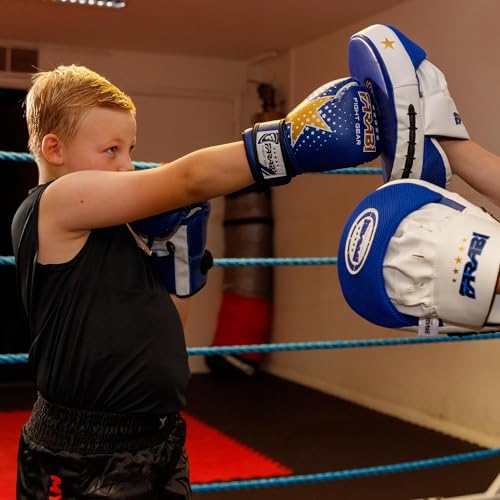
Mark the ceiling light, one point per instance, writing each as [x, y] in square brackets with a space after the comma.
[113, 4]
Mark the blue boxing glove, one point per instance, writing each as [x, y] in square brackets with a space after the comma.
[335, 127]
[185, 271]
[177, 241]
[413, 103]
[153, 230]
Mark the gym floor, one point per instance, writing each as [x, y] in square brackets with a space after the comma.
[311, 432]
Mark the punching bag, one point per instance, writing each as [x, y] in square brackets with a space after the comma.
[245, 313]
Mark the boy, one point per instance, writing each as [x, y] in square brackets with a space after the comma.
[107, 345]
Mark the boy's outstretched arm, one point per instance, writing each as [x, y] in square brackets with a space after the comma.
[333, 128]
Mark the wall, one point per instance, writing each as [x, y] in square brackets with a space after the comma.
[453, 388]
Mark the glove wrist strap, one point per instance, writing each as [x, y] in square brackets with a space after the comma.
[267, 160]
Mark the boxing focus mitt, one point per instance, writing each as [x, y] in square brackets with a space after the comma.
[413, 103]
[413, 255]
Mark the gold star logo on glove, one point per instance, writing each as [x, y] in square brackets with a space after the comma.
[458, 259]
[306, 114]
[388, 44]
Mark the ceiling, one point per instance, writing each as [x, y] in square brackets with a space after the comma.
[228, 29]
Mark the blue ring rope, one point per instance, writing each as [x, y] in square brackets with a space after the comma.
[8, 260]
[304, 346]
[273, 261]
[326, 476]
[345, 474]
[143, 165]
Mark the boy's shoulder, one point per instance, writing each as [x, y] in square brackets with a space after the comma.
[24, 213]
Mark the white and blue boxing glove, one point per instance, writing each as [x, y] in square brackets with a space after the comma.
[176, 241]
[413, 101]
[335, 127]
[416, 256]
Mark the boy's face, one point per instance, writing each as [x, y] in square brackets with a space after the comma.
[104, 141]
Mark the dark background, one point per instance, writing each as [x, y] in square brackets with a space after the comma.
[16, 179]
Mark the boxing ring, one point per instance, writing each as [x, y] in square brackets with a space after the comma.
[493, 492]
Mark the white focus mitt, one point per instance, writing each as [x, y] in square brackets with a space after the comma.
[414, 255]
[413, 102]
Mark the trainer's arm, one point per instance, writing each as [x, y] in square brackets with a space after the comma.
[475, 165]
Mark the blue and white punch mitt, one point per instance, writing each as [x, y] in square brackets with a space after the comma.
[413, 101]
[414, 255]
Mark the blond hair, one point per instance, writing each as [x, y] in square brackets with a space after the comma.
[58, 99]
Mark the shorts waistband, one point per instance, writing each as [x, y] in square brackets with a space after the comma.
[84, 431]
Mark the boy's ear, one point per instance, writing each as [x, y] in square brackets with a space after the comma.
[52, 149]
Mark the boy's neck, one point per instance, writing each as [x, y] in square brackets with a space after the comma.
[45, 174]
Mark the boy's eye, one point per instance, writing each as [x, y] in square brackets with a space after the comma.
[112, 149]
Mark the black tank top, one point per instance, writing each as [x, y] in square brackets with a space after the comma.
[105, 334]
